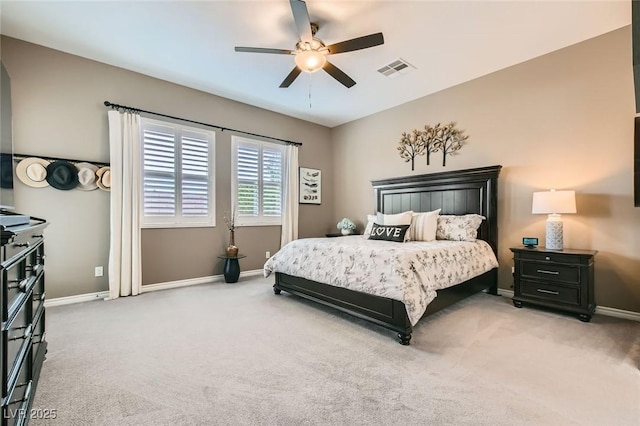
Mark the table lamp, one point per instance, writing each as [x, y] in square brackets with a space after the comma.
[554, 203]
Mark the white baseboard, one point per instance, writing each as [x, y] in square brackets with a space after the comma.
[181, 283]
[195, 281]
[79, 298]
[602, 310]
[252, 273]
[618, 313]
[505, 293]
[103, 295]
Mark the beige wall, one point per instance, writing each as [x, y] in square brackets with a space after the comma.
[564, 120]
[58, 111]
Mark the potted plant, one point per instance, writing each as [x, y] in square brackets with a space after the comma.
[346, 226]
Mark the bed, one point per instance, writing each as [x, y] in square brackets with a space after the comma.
[471, 191]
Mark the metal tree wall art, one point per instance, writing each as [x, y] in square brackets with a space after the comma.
[445, 138]
[428, 137]
[448, 139]
[411, 144]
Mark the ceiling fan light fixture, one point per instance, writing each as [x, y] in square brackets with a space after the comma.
[310, 60]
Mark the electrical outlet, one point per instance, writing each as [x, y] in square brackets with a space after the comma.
[267, 254]
[99, 271]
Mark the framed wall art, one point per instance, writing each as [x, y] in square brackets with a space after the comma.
[310, 186]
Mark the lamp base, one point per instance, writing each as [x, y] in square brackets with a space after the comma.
[553, 236]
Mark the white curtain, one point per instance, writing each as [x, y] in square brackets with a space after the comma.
[290, 196]
[125, 275]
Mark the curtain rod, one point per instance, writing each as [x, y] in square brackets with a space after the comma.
[127, 108]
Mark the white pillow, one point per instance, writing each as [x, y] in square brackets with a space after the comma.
[458, 228]
[403, 218]
[371, 218]
[423, 226]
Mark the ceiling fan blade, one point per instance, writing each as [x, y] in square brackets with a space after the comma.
[264, 50]
[339, 75]
[295, 72]
[356, 43]
[301, 17]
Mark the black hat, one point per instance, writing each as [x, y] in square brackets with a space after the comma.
[62, 175]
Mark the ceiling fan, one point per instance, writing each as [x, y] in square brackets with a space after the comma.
[311, 52]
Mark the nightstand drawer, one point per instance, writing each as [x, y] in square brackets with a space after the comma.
[549, 257]
[550, 292]
[551, 272]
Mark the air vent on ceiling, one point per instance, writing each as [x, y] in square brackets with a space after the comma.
[396, 68]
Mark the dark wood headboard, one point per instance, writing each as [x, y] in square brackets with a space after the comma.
[455, 192]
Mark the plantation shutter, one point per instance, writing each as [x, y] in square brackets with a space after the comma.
[272, 181]
[195, 174]
[258, 181]
[248, 181]
[159, 152]
[177, 175]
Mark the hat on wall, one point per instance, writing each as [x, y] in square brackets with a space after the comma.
[87, 176]
[104, 178]
[62, 175]
[32, 171]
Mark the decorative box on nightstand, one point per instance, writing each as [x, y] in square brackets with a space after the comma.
[559, 279]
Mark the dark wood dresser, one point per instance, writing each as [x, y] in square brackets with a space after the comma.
[559, 279]
[23, 345]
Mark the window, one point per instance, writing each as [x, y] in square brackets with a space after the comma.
[177, 175]
[257, 181]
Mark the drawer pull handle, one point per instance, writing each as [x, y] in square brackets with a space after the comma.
[27, 393]
[542, 271]
[22, 284]
[39, 296]
[542, 290]
[27, 244]
[37, 236]
[26, 335]
[547, 258]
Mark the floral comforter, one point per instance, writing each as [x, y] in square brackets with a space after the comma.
[410, 272]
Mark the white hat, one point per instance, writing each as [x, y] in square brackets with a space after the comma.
[87, 176]
[104, 178]
[32, 171]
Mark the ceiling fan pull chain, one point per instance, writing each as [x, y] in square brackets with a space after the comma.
[309, 91]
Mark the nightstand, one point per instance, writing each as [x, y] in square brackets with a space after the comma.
[559, 279]
[339, 234]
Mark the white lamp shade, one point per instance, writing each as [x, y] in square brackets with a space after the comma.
[554, 202]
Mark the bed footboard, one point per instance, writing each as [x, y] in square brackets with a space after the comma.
[383, 311]
[389, 313]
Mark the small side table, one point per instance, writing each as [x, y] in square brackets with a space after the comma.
[338, 234]
[231, 267]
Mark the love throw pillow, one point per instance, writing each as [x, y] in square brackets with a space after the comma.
[388, 232]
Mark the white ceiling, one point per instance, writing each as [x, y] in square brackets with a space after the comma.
[192, 43]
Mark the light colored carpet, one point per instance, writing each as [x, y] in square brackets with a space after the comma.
[235, 354]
